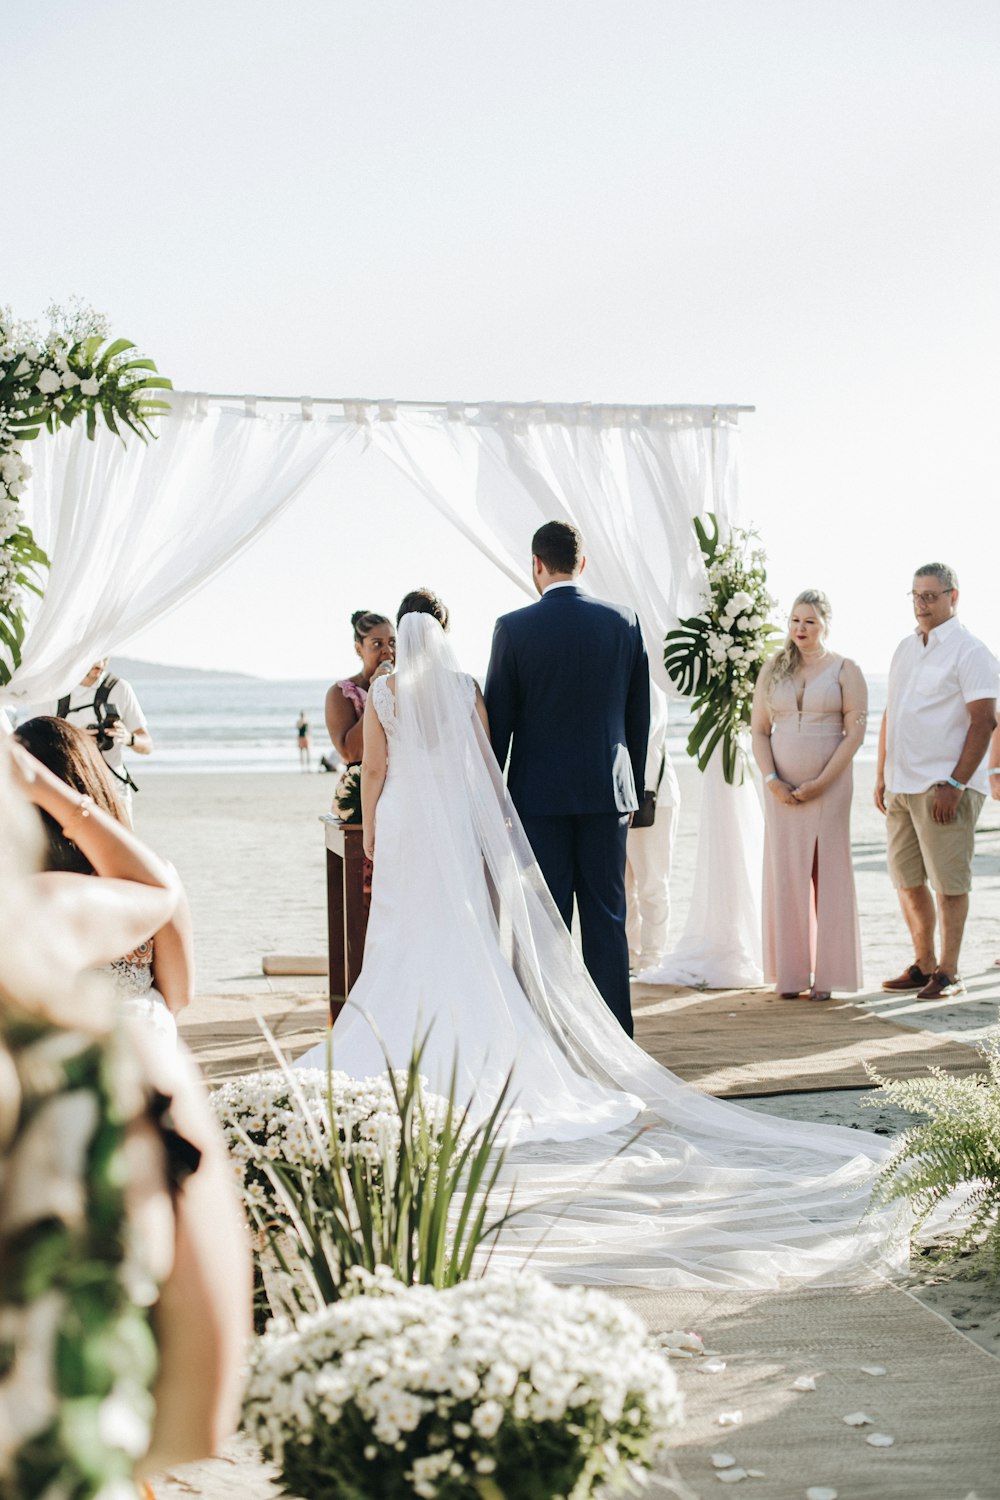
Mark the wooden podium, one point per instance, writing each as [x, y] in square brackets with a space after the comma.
[347, 903]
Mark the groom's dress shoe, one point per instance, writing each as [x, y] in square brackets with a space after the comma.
[910, 979]
[940, 986]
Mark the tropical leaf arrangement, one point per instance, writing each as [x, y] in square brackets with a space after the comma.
[955, 1146]
[47, 382]
[347, 796]
[714, 658]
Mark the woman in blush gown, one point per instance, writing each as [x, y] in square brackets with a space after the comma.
[619, 1172]
[809, 716]
[375, 645]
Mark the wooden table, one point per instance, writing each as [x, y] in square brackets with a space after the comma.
[347, 903]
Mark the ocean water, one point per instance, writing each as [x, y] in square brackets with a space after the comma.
[228, 724]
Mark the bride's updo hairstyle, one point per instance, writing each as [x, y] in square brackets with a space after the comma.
[424, 602]
[71, 755]
[786, 662]
[364, 622]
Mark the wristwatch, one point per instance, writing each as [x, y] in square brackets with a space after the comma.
[132, 740]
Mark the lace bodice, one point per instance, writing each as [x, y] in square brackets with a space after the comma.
[384, 700]
[133, 974]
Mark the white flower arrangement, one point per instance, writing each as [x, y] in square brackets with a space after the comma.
[44, 384]
[347, 795]
[715, 657]
[498, 1387]
[263, 1120]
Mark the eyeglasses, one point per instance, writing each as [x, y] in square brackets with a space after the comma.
[928, 598]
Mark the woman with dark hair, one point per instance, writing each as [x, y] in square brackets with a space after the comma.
[424, 602]
[375, 645]
[155, 980]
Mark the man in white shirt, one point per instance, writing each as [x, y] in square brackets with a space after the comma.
[932, 776]
[108, 709]
[649, 849]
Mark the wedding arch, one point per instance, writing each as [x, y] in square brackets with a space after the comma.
[131, 530]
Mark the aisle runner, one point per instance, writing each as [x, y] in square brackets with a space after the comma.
[938, 1400]
[751, 1042]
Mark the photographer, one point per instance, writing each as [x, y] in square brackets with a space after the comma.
[107, 708]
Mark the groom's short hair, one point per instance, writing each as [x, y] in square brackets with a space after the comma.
[559, 546]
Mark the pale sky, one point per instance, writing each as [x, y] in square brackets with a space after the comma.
[793, 204]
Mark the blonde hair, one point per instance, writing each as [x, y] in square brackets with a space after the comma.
[786, 662]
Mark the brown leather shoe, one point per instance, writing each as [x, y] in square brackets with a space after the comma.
[940, 986]
[910, 979]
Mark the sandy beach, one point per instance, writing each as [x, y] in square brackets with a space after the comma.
[250, 850]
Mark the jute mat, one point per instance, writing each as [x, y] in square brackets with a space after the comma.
[222, 1031]
[938, 1400]
[734, 1043]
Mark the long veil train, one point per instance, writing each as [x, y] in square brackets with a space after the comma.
[662, 1185]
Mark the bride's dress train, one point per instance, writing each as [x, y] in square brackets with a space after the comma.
[624, 1173]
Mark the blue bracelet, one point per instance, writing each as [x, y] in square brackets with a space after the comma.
[958, 785]
[772, 777]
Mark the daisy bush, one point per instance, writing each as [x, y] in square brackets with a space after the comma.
[498, 1387]
[715, 657]
[339, 1173]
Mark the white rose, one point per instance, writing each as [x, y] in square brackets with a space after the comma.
[69, 380]
[735, 653]
[48, 382]
[90, 386]
[743, 623]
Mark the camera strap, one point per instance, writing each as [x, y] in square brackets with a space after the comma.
[103, 692]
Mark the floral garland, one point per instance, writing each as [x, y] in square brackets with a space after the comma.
[715, 658]
[503, 1386]
[77, 1350]
[46, 383]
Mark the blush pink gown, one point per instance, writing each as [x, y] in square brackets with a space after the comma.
[811, 934]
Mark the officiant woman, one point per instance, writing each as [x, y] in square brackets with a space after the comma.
[809, 715]
[375, 645]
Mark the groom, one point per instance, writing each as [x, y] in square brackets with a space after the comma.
[568, 682]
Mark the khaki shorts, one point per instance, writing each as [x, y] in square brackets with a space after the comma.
[921, 850]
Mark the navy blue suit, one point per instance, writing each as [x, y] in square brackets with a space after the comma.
[567, 693]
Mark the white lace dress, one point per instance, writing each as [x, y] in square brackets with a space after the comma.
[132, 977]
[433, 963]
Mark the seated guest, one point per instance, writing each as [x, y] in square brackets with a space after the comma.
[375, 645]
[155, 979]
[162, 1310]
[809, 714]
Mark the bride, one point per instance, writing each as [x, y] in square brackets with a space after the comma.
[621, 1172]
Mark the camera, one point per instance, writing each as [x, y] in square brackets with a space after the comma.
[105, 739]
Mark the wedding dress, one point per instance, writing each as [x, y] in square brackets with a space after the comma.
[132, 978]
[620, 1172]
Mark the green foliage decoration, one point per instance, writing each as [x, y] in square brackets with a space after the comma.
[955, 1146]
[75, 371]
[714, 658]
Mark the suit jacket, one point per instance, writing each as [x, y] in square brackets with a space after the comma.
[568, 683]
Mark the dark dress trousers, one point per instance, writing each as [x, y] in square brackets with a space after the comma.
[567, 693]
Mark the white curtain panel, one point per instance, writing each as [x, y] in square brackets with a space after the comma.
[134, 528]
[631, 479]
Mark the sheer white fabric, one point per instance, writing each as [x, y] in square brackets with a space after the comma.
[631, 478]
[662, 1185]
[134, 528]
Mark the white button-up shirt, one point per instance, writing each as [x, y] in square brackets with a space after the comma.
[926, 715]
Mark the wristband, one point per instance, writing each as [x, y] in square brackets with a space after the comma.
[772, 777]
[993, 771]
[132, 740]
[958, 785]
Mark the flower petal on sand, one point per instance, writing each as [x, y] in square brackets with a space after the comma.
[874, 1370]
[857, 1419]
[730, 1418]
[711, 1367]
[880, 1440]
[723, 1461]
[821, 1492]
[731, 1476]
[804, 1383]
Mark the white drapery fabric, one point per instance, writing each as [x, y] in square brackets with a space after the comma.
[133, 528]
[631, 479]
